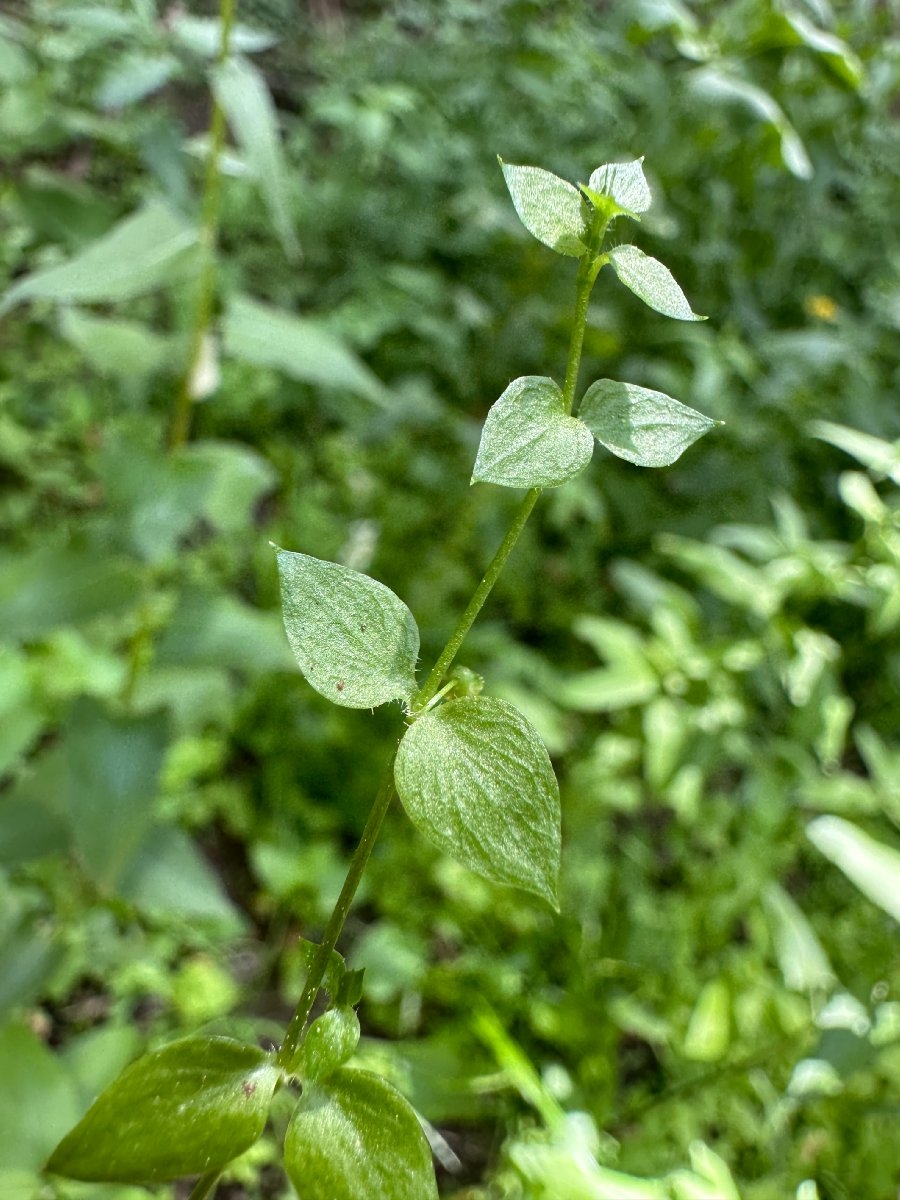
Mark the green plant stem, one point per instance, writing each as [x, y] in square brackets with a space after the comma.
[287, 1055]
[209, 236]
[204, 1185]
[473, 608]
[588, 269]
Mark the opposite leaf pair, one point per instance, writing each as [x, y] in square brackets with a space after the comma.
[472, 773]
[530, 440]
[192, 1107]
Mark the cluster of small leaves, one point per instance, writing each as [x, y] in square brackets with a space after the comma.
[530, 439]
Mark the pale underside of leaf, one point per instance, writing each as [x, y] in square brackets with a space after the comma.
[529, 440]
[644, 427]
[651, 282]
[475, 778]
[550, 208]
[355, 641]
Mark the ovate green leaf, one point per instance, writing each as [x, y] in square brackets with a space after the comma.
[624, 183]
[842, 60]
[529, 440]
[188, 1108]
[651, 282]
[203, 35]
[550, 208]
[475, 778]
[353, 1137]
[242, 91]
[139, 254]
[644, 427]
[871, 865]
[356, 642]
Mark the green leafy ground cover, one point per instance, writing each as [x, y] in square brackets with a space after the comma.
[710, 654]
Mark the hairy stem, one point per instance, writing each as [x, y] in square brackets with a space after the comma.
[209, 235]
[287, 1055]
[475, 605]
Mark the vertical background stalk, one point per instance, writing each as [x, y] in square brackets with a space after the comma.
[209, 237]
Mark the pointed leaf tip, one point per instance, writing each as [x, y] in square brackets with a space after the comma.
[355, 641]
[529, 440]
[476, 779]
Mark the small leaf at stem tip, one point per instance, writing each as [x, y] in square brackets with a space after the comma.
[356, 642]
[646, 428]
[476, 779]
[550, 208]
[187, 1109]
[529, 440]
[623, 183]
[354, 1137]
[651, 282]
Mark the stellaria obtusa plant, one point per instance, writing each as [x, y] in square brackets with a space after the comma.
[470, 771]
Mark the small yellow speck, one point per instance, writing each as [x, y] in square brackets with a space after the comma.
[823, 307]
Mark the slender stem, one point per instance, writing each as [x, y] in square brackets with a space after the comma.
[204, 1185]
[209, 236]
[287, 1055]
[582, 298]
[473, 608]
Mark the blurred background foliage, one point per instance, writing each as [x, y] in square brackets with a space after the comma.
[710, 652]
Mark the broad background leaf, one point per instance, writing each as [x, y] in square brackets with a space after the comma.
[354, 1136]
[301, 348]
[476, 779]
[873, 866]
[355, 641]
[144, 251]
[529, 440]
[242, 91]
